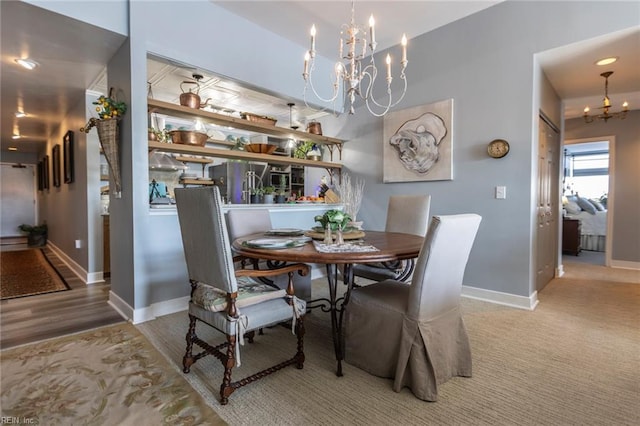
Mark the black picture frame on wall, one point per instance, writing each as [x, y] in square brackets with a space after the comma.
[40, 176]
[55, 167]
[68, 157]
[45, 172]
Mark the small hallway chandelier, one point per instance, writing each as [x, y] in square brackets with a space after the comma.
[353, 77]
[606, 105]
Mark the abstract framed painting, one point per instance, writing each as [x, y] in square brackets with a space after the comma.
[45, 172]
[67, 150]
[40, 176]
[55, 167]
[418, 143]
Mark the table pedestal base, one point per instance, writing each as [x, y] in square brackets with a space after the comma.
[336, 307]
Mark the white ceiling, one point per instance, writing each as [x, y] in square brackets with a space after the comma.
[72, 56]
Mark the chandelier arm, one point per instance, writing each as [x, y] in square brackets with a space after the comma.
[391, 105]
[335, 83]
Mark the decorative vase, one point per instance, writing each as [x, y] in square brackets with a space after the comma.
[327, 235]
[339, 237]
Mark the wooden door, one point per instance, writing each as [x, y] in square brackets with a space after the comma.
[547, 202]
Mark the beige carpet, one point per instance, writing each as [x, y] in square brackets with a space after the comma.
[107, 376]
[575, 360]
[27, 273]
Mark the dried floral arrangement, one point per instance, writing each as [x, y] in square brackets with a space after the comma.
[351, 194]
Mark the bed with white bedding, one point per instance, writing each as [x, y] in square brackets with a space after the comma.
[593, 229]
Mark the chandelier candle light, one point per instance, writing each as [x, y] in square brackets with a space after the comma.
[353, 77]
[606, 105]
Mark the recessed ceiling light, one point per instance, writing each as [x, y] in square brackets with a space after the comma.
[607, 61]
[13, 148]
[20, 114]
[27, 63]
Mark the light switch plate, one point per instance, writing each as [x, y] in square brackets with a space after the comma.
[501, 192]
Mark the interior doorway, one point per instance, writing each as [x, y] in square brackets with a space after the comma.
[17, 192]
[589, 175]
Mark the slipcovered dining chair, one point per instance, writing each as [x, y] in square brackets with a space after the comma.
[224, 298]
[415, 333]
[408, 214]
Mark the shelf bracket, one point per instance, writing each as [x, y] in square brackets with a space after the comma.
[331, 173]
[330, 147]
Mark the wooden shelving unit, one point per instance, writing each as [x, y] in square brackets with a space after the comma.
[195, 182]
[240, 155]
[194, 160]
[179, 111]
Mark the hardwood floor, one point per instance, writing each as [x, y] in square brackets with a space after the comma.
[29, 319]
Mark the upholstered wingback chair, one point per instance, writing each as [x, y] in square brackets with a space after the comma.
[229, 300]
[415, 333]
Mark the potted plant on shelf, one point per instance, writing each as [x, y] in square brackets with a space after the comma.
[281, 193]
[36, 234]
[268, 194]
[256, 195]
[281, 196]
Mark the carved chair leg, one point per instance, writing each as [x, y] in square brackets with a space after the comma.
[300, 335]
[187, 360]
[250, 335]
[230, 361]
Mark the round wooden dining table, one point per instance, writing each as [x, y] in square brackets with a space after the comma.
[392, 247]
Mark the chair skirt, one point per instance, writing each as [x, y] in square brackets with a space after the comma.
[382, 340]
[373, 323]
[432, 352]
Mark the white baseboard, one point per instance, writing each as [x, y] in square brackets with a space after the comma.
[521, 302]
[120, 305]
[623, 264]
[148, 313]
[78, 270]
[160, 309]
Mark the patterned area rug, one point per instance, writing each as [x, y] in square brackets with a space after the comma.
[107, 376]
[26, 273]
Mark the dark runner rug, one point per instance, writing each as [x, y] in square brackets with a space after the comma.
[27, 273]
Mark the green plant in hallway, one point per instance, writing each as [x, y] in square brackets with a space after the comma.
[36, 234]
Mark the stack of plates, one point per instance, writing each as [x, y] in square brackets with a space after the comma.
[285, 232]
[276, 243]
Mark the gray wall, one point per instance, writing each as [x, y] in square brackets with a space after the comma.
[147, 263]
[485, 62]
[626, 179]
